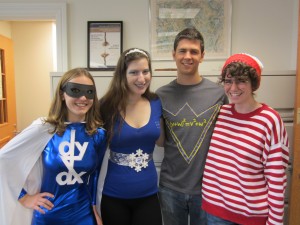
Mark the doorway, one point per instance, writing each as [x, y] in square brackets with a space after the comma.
[40, 12]
[32, 13]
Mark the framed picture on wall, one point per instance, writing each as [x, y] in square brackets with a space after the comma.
[212, 18]
[105, 44]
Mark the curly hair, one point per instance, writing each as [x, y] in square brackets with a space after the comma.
[240, 70]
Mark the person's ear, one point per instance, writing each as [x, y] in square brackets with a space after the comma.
[173, 54]
[61, 93]
[202, 56]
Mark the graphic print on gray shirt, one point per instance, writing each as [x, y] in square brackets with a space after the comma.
[190, 113]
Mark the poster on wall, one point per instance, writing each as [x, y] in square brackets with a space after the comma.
[104, 44]
[212, 18]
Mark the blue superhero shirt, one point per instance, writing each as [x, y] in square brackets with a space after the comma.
[71, 166]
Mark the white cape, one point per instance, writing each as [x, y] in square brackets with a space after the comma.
[20, 167]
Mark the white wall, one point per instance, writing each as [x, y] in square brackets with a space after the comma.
[33, 62]
[265, 28]
[5, 28]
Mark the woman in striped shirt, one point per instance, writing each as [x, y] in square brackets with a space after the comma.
[244, 177]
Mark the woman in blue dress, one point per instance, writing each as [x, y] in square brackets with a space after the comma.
[132, 116]
[52, 167]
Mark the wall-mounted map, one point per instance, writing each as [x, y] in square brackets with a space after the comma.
[211, 17]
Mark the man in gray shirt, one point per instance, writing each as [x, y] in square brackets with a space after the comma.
[190, 107]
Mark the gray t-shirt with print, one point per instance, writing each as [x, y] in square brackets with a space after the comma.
[190, 113]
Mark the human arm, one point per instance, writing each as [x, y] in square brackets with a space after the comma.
[94, 184]
[275, 172]
[160, 141]
[100, 147]
[97, 217]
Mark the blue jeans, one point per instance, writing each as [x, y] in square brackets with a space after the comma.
[214, 220]
[179, 208]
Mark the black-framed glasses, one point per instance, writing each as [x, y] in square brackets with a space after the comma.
[237, 81]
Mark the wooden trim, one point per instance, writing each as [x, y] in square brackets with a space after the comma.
[294, 201]
[4, 140]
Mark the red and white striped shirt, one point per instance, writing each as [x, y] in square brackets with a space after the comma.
[244, 178]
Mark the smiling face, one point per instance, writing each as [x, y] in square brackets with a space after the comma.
[238, 89]
[138, 76]
[188, 56]
[77, 105]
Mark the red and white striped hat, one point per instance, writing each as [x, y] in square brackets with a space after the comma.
[247, 59]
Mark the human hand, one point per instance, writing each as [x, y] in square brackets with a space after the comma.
[98, 218]
[36, 201]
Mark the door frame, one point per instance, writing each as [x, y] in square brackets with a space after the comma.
[294, 202]
[42, 11]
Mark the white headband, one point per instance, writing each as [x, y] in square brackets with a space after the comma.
[136, 50]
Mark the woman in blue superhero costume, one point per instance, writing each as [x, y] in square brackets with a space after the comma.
[132, 116]
[52, 167]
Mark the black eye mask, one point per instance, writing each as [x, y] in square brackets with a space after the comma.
[75, 90]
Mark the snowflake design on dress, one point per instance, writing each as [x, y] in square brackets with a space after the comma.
[138, 160]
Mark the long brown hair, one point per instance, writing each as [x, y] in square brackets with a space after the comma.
[115, 99]
[58, 112]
